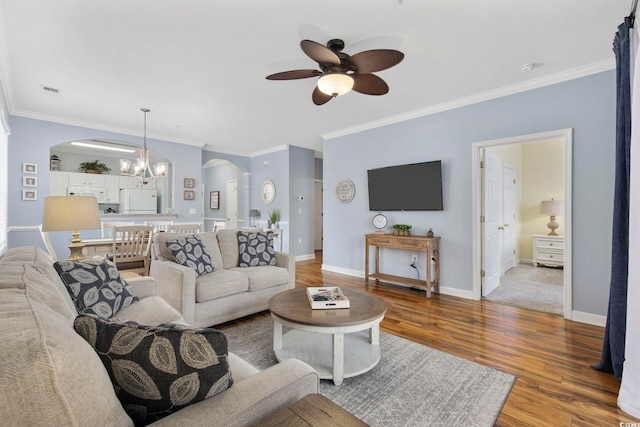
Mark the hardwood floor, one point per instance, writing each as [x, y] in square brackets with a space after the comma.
[550, 356]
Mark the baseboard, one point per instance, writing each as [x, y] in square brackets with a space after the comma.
[305, 257]
[461, 293]
[589, 318]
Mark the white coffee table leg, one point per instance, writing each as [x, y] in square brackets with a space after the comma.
[374, 335]
[277, 335]
[338, 358]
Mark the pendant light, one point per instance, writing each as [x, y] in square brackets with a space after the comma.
[142, 168]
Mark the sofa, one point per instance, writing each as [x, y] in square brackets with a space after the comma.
[227, 293]
[52, 376]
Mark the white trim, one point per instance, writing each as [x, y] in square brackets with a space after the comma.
[341, 270]
[591, 319]
[567, 136]
[575, 73]
[21, 228]
[305, 257]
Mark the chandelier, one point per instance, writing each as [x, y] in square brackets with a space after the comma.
[142, 167]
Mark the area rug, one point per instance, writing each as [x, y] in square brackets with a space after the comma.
[412, 385]
[535, 288]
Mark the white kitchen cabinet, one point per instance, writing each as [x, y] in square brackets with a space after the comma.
[112, 185]
[548, 250]
[86, 179]
[58, 183]
[132, 182]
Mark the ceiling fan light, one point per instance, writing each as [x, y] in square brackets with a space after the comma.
[335, 84]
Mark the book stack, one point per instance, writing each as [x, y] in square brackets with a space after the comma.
[327, 298]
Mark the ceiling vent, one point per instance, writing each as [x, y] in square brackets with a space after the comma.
[50, 90]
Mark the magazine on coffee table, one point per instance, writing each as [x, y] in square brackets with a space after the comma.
[327, 298]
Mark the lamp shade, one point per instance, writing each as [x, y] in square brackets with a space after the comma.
[335, 84]
[254, 213]
[63, 213]
[551, 207]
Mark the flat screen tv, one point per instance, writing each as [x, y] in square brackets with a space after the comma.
[413, 187]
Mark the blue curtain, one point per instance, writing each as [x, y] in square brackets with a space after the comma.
[614, 337]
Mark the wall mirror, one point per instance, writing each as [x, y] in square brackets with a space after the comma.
[268, 191]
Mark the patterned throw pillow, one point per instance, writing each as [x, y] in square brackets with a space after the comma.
[256, 248]
[158, 370]
[95, 286]
[190, 252]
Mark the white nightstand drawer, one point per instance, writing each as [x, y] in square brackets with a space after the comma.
[550, 244]
[542, 256]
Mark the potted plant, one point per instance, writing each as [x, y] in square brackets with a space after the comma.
[94, 167]
[401, 230]
[274, 217]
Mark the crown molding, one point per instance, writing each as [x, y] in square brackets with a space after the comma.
[574, 73]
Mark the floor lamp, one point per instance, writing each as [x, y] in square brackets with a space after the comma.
[71, 213]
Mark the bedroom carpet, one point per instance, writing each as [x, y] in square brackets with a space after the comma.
[535, 288]
[412, 385]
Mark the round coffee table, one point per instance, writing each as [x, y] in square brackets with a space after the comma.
[337, 343]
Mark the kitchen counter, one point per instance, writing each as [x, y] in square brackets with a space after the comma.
[135, 217]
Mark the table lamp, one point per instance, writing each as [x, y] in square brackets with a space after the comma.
[64, 213]
[254, 214]
[551, 208]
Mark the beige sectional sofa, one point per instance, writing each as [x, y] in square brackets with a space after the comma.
[51, 376]
[227, 293]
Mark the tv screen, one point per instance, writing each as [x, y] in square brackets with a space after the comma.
[413, 187]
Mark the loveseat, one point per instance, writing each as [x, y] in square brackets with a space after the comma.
[51, 376]
[229, 291]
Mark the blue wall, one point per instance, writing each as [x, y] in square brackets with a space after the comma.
[302, 172]
[587, 105]
[30, 141]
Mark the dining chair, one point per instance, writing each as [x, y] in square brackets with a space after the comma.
[107, 227]
[159, 226]
[186, 228]
[132, 248]
[219, 225]
[47, 243]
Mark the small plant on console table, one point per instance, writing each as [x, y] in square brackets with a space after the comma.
[274, 217]
[401, 230]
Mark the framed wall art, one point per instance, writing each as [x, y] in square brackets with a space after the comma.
[189, 183]
[29, 194]
[214, 200]
[29, 168]
[189, 195]
[29, 181]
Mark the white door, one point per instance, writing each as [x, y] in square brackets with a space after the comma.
[491, 202]
[317, 223]
[232, 204]
[509, 218]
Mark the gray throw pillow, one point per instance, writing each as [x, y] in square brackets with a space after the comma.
[190, 252]
[256, 248]
[95, 286]
[158, 370]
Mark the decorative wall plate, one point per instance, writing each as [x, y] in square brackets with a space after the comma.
[345, 191]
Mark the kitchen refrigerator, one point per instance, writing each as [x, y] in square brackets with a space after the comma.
[138, 201]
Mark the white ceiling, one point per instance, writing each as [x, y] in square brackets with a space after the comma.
[200, 65]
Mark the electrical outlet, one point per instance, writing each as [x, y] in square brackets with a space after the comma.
[414, 259]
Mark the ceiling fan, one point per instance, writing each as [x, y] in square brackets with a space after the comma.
[341, 72]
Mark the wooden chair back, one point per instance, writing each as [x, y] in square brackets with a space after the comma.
[132, 248]
[219, 225]
[159, 226]
[107, 227]
[186, 228]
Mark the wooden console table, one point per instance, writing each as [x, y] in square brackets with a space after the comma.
[429, 245]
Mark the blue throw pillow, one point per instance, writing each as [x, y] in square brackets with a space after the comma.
[190, 252]
[256, 248]
[158, 370]
[95, 286]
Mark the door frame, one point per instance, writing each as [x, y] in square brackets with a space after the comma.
[476, 199]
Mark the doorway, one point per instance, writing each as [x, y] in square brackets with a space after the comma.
[534, 222]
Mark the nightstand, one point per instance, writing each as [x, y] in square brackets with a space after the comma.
[548, 250]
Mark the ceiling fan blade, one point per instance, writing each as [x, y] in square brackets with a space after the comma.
[320, 97]
[369, 84]
[294, 74]
[319, 53]
[371, 61]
